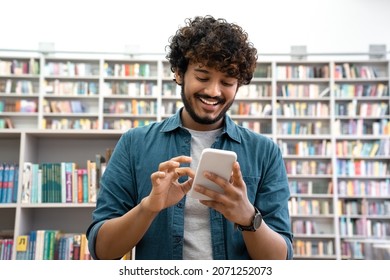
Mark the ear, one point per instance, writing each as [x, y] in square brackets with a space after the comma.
[178, 78]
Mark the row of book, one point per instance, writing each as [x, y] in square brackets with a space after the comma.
[170, 107]
[133, 89]
[19, 67]
[353, 71]
[307, 227]
[254, 90]
[302, 91]
[302, 206]
[256, 126]
[303, 128]
[363, 109]
[359, 148]
[64, 106]
[305, 148]
[362, 126]
[263, 71]
[352, 167]
[308, 167]
[61, 182]
[125, 124]
[131, 107]
[250, 109]
[312, 248]
[297, 108]
[365, 249]
[363, 207]
[71, 69]
[21, 106]
[6, 247]
[365, 188]
[52, 245]
[361, 90]
[310, 187]
[58, 87]
[9, 180]
[302, 71]
[129, 70]
[73, 123]
[6, 123]
[20, 86]
[355, 227]
[171, 89]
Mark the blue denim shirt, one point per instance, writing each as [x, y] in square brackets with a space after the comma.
[126, 181]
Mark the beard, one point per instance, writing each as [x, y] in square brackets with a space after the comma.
[204, 120]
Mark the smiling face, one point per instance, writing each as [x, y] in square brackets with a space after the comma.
[207, 95]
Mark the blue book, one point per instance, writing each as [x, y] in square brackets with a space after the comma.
[31, 245]
[5, 184]
[16, 184]
[1, 181]
[11, 176]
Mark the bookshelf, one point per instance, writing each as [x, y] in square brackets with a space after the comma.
[330, 119]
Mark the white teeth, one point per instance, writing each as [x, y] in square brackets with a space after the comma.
[208, 102]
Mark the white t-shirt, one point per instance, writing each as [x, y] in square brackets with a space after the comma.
[197, 233]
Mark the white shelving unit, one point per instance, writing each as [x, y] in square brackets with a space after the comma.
[320, 113]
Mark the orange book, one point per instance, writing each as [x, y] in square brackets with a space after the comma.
[80, 185]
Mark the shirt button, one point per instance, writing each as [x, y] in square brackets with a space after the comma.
[180, 205]
[178, 240]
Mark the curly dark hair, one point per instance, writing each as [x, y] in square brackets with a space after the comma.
[214, 43]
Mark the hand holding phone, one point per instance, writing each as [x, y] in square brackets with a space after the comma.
[216, 161]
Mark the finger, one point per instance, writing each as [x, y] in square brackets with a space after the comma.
[156, 176]
[213, 195]
[174, 162]
[237, 176]
[223, 183]
[211, 204]
[186, 186]
[168, 165]
[182, 159]
[185, 171]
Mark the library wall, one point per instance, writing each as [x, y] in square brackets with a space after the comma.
[330, 119]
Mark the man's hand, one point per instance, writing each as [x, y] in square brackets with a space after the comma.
[166, 189]
[233, 203]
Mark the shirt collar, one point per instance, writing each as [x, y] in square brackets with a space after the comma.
[230, 128]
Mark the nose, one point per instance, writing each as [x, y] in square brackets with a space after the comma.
[213, 89]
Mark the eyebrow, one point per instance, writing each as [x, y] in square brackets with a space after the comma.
[205, 71]
[201, 70]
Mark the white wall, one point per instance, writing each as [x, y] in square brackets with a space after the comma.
[273, 25]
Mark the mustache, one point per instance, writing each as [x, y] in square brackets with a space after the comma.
[205, 96]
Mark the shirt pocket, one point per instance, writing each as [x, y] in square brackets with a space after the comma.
[252, 186]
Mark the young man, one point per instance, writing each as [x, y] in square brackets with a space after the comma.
[142, 202]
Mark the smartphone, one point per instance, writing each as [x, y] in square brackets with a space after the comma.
[216, 161]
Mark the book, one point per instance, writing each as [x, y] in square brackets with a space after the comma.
[22, 242]
[36, 194]
[32, 244]
[39, 244]
[100, 161]
[80, 190]
[92, 185]
[85, 185]
[69, 170]
[11, 179]
[76, 247]
[5, 187]
[16, 185]
[1, 181]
